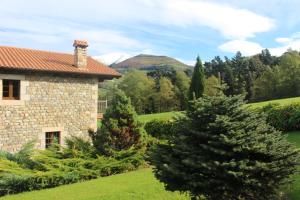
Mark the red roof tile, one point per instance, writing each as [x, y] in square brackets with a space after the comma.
[29, 59]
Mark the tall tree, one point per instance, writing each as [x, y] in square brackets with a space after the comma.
[165, 97]
[224, 151]
[182, 84]
[139, 88]
[197, 83]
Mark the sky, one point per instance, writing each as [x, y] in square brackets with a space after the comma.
[181, 29]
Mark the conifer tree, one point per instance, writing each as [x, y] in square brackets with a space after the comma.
[225, 151]
[197, 83]
[120, 129]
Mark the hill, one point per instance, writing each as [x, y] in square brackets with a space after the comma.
[148, 63]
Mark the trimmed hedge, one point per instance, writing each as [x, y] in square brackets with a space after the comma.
[161, 129]
[283, 117]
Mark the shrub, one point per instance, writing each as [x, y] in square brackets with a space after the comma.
[120, 128]
[54, 168]
[283, 117]
[223, 151]
[161, 129]
[78, 147]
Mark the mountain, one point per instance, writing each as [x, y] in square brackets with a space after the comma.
[148, 62]
[112, 58]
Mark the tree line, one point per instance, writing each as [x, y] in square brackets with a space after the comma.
[257, 78]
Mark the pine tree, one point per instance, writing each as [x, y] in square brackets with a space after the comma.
[225, 151]
[120, 128]
[197, 83]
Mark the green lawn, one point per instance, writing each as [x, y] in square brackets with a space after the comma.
[279, 101]
[137, 185]
[158, 116]
[169, 115]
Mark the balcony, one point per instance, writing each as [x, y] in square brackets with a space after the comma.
[102, 106]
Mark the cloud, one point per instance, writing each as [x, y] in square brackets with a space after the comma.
[248, 48]
[231, 22]
[245, 47]
[114, 57]
[112, 26]
[292, 42]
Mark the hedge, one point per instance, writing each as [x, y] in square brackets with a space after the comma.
[283, 117]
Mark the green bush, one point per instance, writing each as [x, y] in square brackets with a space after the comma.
[283, 117]
[161, 129]
[77, 162]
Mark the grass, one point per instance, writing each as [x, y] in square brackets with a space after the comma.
[140, 185]
[279, 101]
[170, 115]
[158, 116]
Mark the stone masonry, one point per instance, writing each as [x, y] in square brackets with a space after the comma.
[49, 102]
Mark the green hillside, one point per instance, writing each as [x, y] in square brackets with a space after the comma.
[148, 62]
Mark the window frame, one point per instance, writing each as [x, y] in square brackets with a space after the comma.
[50, 137]
[11, 89]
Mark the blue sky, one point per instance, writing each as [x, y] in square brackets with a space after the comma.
[181, 29]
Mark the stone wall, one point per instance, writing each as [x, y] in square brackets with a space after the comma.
[49, 102]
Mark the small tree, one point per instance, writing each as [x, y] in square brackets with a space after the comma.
[225, 151]
[120, 128]
[197, 83]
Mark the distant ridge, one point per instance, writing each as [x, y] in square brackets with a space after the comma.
[148, 62]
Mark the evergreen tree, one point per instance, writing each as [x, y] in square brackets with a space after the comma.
[120, 128]
[197, 83]
[225, 151]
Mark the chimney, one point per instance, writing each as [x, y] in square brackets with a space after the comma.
[80, 53]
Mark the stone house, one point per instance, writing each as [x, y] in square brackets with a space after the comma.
[47, 96]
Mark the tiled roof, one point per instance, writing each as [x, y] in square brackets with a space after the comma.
[36, 60]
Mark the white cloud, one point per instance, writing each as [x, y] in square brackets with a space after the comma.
[251, 48]
[245, 47]
[231, 22]
[292, 42]
[114, 57]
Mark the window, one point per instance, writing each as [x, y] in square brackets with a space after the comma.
[52, 137]
[11, 89]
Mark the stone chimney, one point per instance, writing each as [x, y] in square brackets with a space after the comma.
[80, 53]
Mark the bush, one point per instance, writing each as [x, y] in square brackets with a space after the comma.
[161, 129]
[78, 147]
[52, 168]
[283, 117]
[120, 129]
